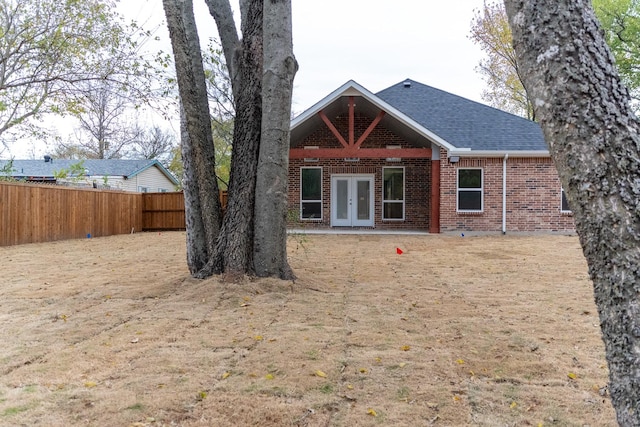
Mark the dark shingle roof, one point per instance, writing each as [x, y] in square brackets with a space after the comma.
[103, 167]
[462, 122]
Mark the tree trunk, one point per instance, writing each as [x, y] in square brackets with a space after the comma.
[202, 202]
[593, 137]
[197, 252]
[234, 249]
[280, 66]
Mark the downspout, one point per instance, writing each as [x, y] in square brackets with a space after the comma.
[504, 194]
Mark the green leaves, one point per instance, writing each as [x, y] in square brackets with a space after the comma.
[620, 20]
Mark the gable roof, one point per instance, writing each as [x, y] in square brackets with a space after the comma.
[94, 167]
[462, 122]
[371, 104]
[424, 114]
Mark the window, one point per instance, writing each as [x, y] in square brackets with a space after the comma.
[564, 203]
[162, 190]
[470, 190]
[311, 193]
[143, 189]
[393, 193]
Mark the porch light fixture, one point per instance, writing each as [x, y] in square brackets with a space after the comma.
[454, 159]
[352, 159]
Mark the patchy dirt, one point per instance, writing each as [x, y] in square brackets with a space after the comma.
[454, 331]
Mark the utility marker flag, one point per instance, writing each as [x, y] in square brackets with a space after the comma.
[399, 251]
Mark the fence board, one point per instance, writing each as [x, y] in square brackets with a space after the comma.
[41, 213]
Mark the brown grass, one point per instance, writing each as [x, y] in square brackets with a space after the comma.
[455, 331]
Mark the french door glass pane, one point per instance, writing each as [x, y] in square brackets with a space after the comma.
[364, 200]
[342, 199]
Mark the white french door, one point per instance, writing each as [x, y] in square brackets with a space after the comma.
[352, 201]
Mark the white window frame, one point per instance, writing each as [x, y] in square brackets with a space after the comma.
[142, 189]
[162, 190]
[404, 194]
[563, 195]
[312, 201]
[458, 190]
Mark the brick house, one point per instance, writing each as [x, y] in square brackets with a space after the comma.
[414, 157]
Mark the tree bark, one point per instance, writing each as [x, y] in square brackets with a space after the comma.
[202, 202]
[280, 66]
[234, 249]
[197, 253]
[593, 137]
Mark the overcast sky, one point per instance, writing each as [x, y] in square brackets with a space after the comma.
[377, 43]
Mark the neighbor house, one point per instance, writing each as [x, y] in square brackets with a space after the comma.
[146, 175]
[417, 158]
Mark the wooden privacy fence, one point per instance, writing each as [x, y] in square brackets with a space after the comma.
[38, 213]
[44, 213]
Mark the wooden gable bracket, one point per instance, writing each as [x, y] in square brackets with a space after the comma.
[351, 148]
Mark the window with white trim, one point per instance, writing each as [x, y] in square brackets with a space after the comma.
[143, 189]
[311, 193]
[564, 203]
[470, 190]
[393, 193]
[162, 190]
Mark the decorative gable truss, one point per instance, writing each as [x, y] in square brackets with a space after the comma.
[352, 148]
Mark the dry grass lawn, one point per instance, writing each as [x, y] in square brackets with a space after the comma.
[456, 331]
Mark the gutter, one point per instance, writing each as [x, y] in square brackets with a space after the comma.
[504, 194]
[498, 153]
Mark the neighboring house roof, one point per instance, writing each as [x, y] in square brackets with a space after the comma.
[462, 126]
[128, 169]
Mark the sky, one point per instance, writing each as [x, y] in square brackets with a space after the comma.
[376, 43]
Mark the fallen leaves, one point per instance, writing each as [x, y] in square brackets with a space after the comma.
[320, 374]
[372, 412]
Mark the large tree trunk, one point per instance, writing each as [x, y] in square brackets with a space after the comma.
[202, 202]
[593, 136]
[234, 250]
[280, 66]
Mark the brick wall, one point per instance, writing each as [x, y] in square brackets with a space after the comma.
[533, 196]
[533, 188]
[417, 175]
